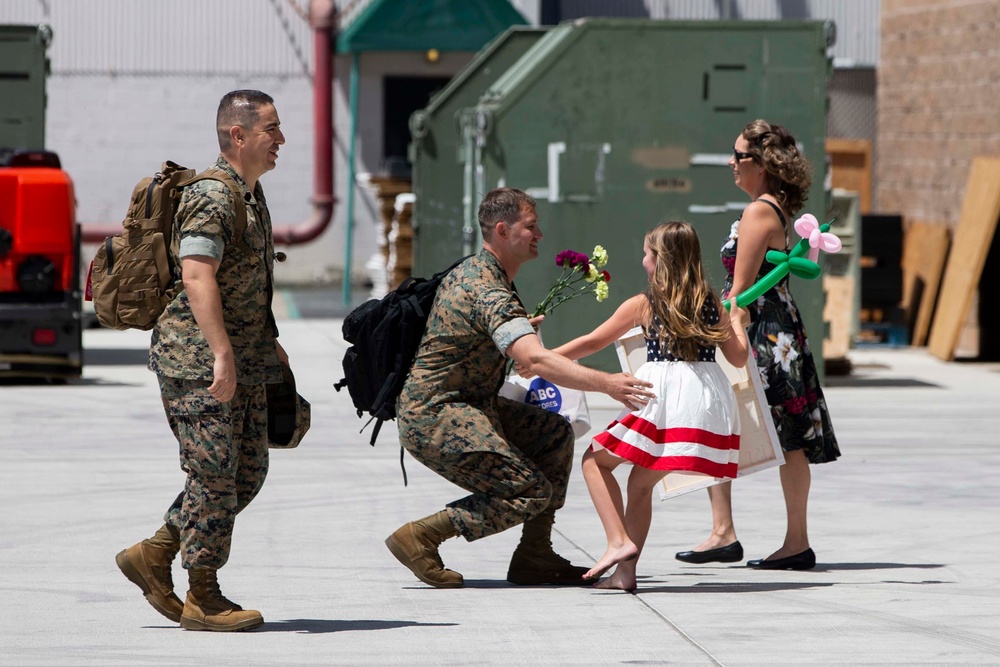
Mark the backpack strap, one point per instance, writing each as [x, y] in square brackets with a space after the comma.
[214, 174]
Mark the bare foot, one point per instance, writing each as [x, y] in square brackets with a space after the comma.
[618, 581]
[612, 557]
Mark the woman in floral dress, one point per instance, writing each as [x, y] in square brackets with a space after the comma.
[768, 166]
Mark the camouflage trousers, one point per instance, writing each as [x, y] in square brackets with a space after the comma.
[223, 451]
[515, 460]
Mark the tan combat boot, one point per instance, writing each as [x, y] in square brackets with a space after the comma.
[415, 545]
[535, 563]
[147, 565]
[207, 609]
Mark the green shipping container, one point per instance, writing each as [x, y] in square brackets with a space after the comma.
[614, 125]
[441, 134]
[23, 67]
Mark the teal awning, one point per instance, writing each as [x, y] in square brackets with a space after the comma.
[445, 25]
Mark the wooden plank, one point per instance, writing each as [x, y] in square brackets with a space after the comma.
[838, 311]
[925, 249]
[851, 168]
[971, 243]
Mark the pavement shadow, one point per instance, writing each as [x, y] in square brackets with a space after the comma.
[743, 587]
[322, 626]
[491, 583]
[833, 567]
[63, 382]
[870, 382]
[696, 571]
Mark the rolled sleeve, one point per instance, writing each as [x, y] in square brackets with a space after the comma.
[510, 331]
[201, 245]
[207, 209]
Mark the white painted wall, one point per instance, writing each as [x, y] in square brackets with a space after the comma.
[110, 131]
[134, 84]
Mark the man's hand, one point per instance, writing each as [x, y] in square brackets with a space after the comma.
[223, 386]
[629, 390]
[282, 355]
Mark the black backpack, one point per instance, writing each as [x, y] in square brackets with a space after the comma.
[384, 336]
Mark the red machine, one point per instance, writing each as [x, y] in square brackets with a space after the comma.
[40, 305]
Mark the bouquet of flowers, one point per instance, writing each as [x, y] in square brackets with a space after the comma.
[581, 275]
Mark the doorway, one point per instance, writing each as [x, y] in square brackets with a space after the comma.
[402, 95]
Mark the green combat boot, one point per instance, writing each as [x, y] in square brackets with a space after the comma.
[147, 565]
[207, 609]
[415, 545]
[535, 563]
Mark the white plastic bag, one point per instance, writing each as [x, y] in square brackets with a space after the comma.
[570, 403]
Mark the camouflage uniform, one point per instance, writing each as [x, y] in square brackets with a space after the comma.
[223, 446]
[514, 458]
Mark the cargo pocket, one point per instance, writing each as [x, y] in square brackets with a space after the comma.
[203, 427]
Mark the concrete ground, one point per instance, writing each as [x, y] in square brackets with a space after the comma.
[904, 526]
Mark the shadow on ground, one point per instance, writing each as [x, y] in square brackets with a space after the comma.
[321, 626]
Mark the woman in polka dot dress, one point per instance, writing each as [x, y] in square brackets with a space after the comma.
[693, 423]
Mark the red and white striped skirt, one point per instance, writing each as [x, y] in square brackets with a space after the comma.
[693, 423]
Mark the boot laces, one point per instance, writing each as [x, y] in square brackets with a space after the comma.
[159, 560]
[543, 554]
[214, 593]
[554, 558]
[163, 575]
[431, 544]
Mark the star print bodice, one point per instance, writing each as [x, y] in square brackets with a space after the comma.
[709, 314]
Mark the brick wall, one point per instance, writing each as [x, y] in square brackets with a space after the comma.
[938, 86]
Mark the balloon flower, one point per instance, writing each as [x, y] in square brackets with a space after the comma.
[815, 237]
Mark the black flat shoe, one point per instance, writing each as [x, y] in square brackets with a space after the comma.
[803, 561]
[728, 554]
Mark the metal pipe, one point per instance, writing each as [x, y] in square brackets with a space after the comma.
[351, 169]
[323, 19]
[468, 181]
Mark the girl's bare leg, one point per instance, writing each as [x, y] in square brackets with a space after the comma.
[607, 497]
[638, 516]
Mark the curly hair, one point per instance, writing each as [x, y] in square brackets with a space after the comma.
[678, 291]
[789, 173]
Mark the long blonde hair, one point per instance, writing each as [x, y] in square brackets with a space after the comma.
[678, 291]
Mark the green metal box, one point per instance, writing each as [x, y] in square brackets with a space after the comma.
[23, 67]
[614, 125]
[442, 136]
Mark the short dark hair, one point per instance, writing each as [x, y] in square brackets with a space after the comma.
[239, 107]
[501, 205]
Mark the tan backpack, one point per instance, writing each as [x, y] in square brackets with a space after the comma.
[131, 277]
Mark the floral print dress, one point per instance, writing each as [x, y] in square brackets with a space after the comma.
[781, 349]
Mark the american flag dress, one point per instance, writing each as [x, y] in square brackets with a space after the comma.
[693, 424]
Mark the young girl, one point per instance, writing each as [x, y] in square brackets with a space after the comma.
[693, 423]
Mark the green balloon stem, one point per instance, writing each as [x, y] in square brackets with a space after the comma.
[803, 268]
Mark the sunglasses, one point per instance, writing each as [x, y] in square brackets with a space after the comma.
[741, 156]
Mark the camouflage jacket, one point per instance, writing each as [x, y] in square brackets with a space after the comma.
[476, 315]
[178, 348]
